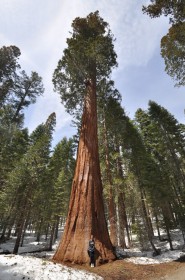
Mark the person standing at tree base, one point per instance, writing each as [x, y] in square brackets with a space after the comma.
[91, 251]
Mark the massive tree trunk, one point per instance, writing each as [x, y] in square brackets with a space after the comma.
[86, 211]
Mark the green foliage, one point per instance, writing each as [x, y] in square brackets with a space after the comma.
[164, 139]
[61, 169]
[90, 55]
[172, 44]
[25, 90]
[173, 52]
[139, 229]
[8, 67]
[17, 89]
[111, 128]
[29, 174]
[175, 9]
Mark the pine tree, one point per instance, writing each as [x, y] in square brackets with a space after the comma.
[26, 179]
[164, 140]
[17, 91]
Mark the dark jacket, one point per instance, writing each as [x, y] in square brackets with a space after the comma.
[91, 247]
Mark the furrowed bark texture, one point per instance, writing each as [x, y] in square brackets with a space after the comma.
[86, 211]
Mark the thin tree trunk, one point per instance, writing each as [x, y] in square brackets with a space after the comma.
[23, 215]
[169, 236]
[39, 230]
[86, 211]
[51, 237]
[24, 228]
[157, 226]
[112, 218]
[56, 228]
[23, 233]
[167, 222]
[148, 225]
[123, 223]
[183, 235]
[10, 226]
[20, 226]
[111, 203]
[148, 214]
[46, 233]
[2, 238]
[9, 222]
[121, 220]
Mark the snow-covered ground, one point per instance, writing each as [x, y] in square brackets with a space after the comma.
[38, 266]
[146, 257]
[27, 267]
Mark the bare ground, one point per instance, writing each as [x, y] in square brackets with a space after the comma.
[123, 270]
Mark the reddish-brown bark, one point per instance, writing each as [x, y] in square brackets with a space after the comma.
[86, 211]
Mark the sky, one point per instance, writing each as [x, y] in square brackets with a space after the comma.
[40, 29]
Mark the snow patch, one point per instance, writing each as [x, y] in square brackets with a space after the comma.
[31, 268]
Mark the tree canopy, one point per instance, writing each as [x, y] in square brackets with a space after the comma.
[90, 52]
[173, 43]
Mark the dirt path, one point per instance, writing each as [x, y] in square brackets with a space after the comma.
[178, 274]
[123, 270]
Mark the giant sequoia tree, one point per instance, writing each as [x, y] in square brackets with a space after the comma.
[88, 59]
